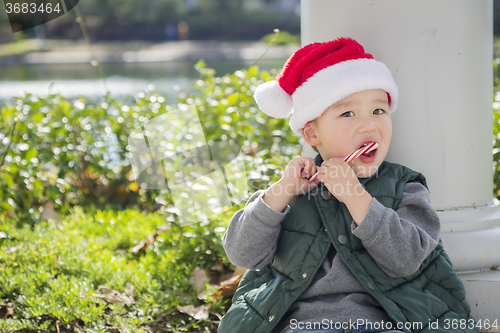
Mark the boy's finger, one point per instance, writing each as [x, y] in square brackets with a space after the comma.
[304, 173]
[315, 170]
[307, 169]
[333, 160]
[310, 167]
[301, 163]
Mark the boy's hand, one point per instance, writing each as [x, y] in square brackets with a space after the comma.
[339, 178]
[342, 182]
[295, 179]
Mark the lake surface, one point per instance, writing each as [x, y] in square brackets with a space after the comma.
[73, 80]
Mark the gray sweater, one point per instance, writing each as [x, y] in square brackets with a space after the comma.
[397, 240]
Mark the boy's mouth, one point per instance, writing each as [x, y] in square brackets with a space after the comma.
[370, 153]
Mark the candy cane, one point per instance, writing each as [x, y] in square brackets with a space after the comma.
[350, 157]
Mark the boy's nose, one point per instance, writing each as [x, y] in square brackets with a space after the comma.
[367, 125]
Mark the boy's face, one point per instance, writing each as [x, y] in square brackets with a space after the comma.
[350, 123]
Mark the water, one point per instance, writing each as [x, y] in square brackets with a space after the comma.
[73, 80]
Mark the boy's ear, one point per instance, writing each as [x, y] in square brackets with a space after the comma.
[309, 134]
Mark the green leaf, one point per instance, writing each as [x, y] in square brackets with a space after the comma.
[200, 65]
[232, 99]
[33, 152]
[252, 71]
[37, 117]
[7, 112]
[8, 179]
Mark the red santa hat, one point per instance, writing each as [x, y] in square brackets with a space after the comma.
[319, 75]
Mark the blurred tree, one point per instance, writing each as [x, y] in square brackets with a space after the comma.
[152, 11]
[228, 6]
[135, 20]
[171, 11]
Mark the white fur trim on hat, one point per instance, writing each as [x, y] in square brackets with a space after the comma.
[273, 100]
[336, 82]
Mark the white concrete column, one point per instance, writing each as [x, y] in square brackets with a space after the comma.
[440, 54]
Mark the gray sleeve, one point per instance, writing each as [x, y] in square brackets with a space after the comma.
[400, 240]
[251, 237]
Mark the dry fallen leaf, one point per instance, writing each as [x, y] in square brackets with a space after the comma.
[6, 310]
[218, 267]
[229, 286]
[114, 296]
[226, 275]
[199, 313]
[50, 214]
[218, 272]
[163, 228]
[145, 243]
[77, 328]
[199, 278]
[155, 329]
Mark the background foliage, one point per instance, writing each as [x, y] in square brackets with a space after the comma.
[65, 269]
[76, 152]
[71, 158]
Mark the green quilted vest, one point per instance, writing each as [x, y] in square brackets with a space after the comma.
[433, 294]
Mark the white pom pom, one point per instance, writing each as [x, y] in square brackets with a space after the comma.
[273, 100]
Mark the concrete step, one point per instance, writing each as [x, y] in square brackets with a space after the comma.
[483, 294]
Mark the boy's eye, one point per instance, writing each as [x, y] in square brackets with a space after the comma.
[378, 111]
[347, 114]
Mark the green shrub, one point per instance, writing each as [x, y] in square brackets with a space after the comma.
[53, 276]
[57, 150]
[76, 152]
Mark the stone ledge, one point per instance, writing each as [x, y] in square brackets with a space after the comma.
[483, 294]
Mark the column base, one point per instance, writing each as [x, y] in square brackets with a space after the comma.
[471, 237]
[483, 294]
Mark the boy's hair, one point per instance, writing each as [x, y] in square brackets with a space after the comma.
[315, 149]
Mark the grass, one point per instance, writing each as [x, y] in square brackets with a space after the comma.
[56, 279]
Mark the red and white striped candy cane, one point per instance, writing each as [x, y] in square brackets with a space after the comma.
[350, 157]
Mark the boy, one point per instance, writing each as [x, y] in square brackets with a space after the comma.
[357, 248]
